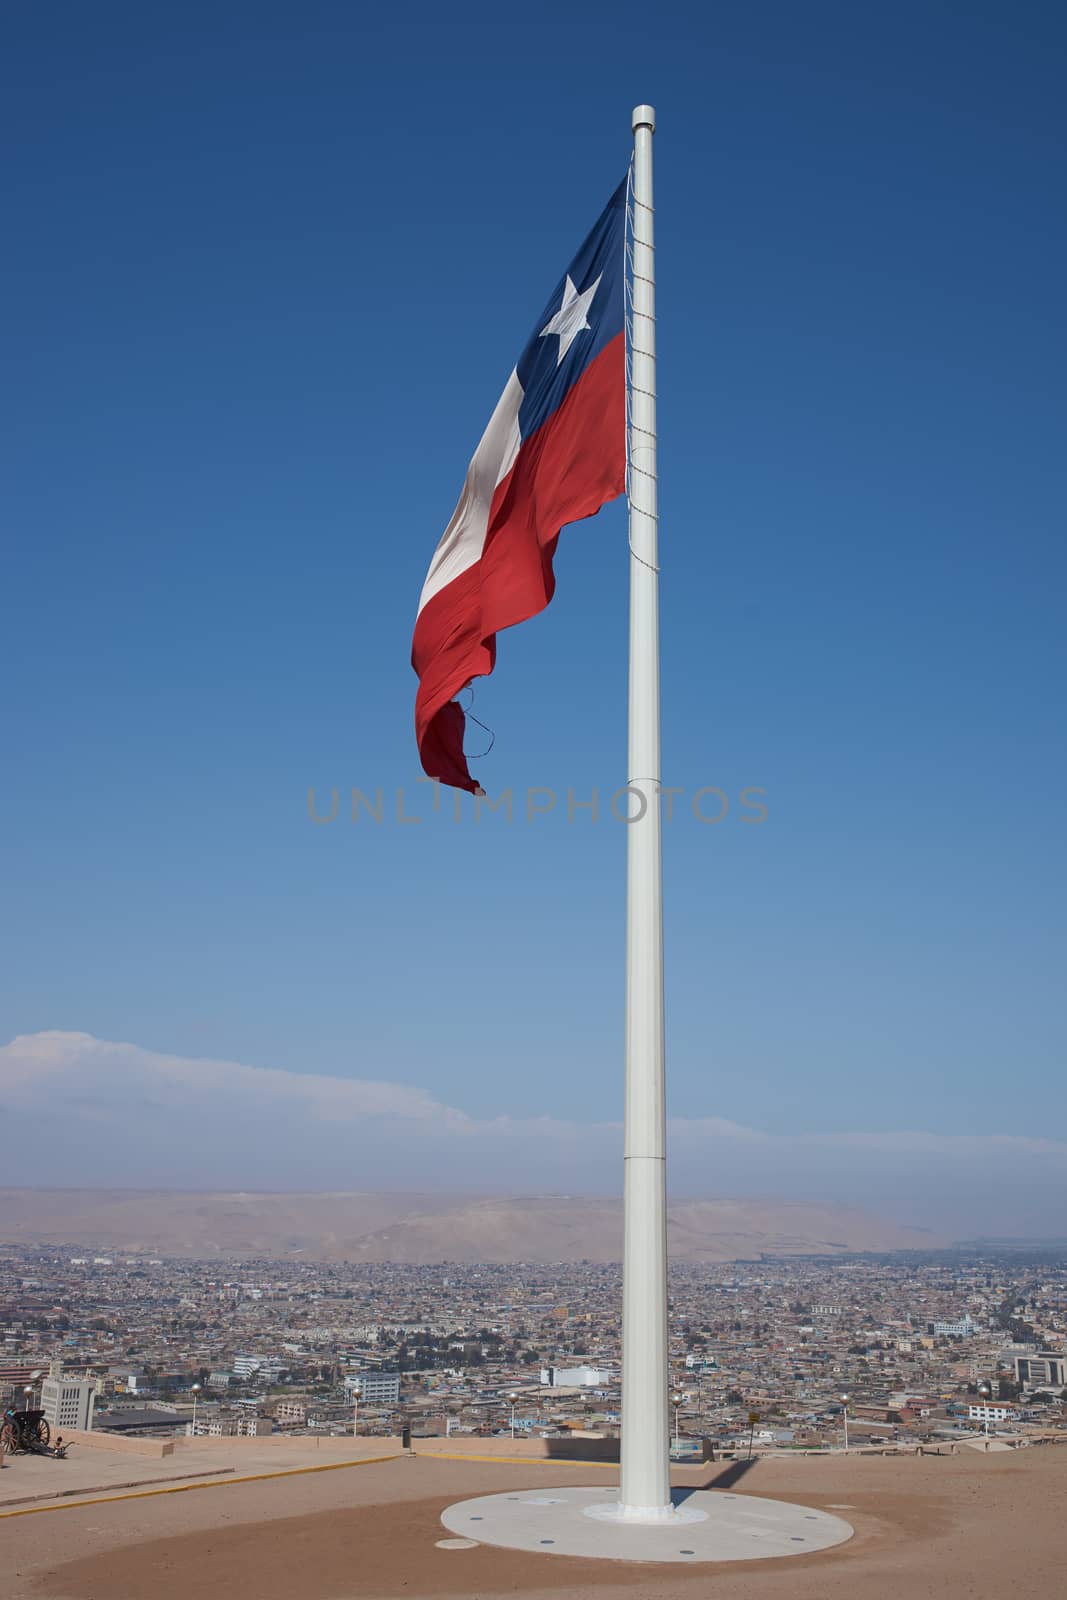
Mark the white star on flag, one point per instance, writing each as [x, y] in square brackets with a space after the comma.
[571, 317]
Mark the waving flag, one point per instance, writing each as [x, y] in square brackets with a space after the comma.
[554, 452]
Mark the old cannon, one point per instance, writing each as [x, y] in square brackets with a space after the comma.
[28, 1432]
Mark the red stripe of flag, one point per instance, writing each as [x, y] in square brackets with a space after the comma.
[565, 471]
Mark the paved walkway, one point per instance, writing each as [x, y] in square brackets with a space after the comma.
[28, 1481]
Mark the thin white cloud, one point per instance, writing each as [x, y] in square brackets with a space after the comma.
[55, 1063]
[118, 1113]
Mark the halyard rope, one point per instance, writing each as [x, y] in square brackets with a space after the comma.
[630, 314]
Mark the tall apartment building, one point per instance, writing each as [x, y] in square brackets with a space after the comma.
[373, 1388]
[67, 1402]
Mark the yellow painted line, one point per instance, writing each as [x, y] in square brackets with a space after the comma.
[187, 1488]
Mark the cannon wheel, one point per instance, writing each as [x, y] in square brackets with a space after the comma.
[44, 1432]
[8, 1438]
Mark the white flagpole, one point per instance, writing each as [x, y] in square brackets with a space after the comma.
[645, 1480]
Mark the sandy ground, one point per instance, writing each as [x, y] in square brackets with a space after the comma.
[967, 1527]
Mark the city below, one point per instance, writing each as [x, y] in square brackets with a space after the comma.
[895, 1352]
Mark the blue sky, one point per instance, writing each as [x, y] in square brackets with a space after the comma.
[267, 268]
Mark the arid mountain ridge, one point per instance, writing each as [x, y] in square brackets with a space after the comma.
[420, 1229]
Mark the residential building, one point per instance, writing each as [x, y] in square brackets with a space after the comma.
[990, 1413]
[249, 1427]
[373, 1388]
[290, 1411]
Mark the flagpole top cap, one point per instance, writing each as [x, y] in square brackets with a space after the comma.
[644, 117]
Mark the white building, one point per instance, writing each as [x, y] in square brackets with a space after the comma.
[962, 1328]
[68, 1402]
[128, 1382]
[373, 1388]
[990, 1413]
[576, 1377]
[271, 1371]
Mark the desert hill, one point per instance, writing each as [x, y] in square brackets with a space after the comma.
[423, 1228]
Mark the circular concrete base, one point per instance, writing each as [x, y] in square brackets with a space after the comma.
[708, 1525]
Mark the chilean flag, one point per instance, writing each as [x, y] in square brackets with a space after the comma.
[554, 452]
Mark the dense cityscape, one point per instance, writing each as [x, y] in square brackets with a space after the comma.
[889, 1353]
